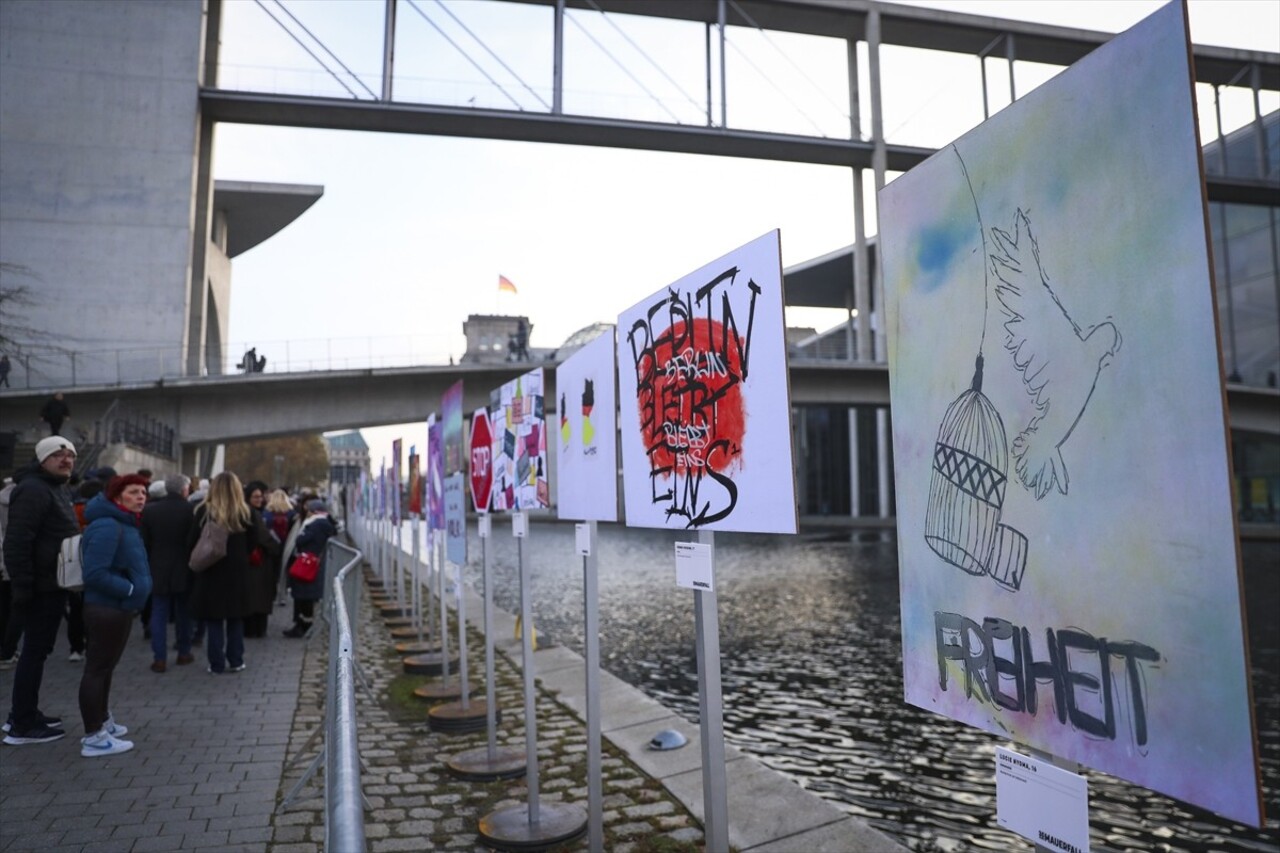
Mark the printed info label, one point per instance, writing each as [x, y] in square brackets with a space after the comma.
[693, 566]
[1042, 803]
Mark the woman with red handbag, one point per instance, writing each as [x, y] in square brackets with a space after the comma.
[306, 577]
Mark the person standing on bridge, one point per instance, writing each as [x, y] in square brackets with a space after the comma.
[40, 517]
[220, 594]
[117, 581]
[55, 411]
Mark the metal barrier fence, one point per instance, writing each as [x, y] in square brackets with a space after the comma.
[340, 752]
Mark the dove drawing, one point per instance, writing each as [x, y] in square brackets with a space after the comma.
[1058, 361]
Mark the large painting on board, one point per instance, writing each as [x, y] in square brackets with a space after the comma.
[518, 422]
[587, 438]
[705, 404]
[1069, 566]
[435, 474]
[451, 416]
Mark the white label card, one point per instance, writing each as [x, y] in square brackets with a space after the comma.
[693, 566]
[1043, 803]
[519, 525]
[486, 526]
[582, 539]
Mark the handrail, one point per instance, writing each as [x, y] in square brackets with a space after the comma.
[344, 797]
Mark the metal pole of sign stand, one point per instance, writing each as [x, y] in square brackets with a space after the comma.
[409, 631]
[591, 628]
[534, 825]
[397, 614]
[429, 656]
[415, 586]
[489, 763]
[715, 795]
[463, 715]
[430, 564]
[436, 661]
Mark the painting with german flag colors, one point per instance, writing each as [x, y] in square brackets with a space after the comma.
[586, 433]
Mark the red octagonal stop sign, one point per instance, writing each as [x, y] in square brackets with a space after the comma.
[481, 460]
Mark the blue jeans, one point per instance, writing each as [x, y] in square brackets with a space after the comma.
[213, 643]
[160, 607]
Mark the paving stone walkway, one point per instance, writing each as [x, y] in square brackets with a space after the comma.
[416, 804]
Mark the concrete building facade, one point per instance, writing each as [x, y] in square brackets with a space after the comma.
[98, 178]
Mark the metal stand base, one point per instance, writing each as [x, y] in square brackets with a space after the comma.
[413, 647]
[510, 829]
[475, 765]
[452, 718]
[429, 663]
[432, 692]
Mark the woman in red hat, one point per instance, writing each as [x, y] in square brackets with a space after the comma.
[117, 581]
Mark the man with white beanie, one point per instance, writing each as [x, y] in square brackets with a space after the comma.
[40, 517]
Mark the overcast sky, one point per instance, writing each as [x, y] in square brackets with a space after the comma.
[413, 232]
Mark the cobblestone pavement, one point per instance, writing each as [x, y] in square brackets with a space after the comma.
[416, 804]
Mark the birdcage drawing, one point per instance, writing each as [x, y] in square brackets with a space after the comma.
[966, 492]
[967, 488]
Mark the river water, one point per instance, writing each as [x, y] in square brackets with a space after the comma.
[812, 679]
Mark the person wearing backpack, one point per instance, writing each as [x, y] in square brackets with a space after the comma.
[40, 517]
[117, 581]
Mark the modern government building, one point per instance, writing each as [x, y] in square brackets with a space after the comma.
[108, 199]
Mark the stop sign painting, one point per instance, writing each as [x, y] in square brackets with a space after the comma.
[481, 451]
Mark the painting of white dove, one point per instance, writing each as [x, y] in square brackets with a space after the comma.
[1059, 362]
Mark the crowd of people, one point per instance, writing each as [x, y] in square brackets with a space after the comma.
[139, 537]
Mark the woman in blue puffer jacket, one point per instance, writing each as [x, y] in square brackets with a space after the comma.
[117, 581]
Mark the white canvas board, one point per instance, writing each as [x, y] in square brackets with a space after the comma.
[587, 438]
[1067, 550]
[705, 403]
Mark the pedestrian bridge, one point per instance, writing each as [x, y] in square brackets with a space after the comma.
[212, 409]
[229, 407]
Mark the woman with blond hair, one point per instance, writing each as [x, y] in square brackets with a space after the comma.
[220, 594]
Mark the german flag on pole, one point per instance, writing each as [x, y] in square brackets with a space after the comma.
[505, 285]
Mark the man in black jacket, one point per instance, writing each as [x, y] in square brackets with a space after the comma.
[55, 411]
[40, 517]
[166, 525]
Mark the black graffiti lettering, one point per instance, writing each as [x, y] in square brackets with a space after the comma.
[1079, 668]
[1078, 681]
[682, 381]
[1001, 669]
[1042, 671]
[1132, 653]
[953, 633]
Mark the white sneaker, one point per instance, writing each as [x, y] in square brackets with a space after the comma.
[113, 728]
[76, 657]
[102, 743]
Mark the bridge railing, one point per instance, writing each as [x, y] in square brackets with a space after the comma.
[53, 368]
